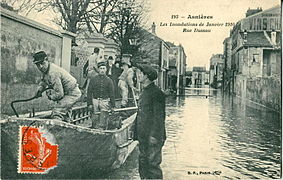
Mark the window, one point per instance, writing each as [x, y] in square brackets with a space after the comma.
[255, 58]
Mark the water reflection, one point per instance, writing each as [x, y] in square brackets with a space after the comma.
[216, 134]
[253, 138]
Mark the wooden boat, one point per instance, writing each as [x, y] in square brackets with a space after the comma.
[83, 152]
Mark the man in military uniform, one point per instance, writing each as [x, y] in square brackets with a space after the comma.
[150, 127]
[62, 87]
[100, 96]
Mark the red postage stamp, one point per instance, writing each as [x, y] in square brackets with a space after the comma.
[38, 152]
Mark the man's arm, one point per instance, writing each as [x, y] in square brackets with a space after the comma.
[41, 87]
[158, 119]
[90, 91]
[57, 92]
[130, 78]
[111, 93]
[85, 68]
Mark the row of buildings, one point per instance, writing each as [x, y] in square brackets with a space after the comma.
[250, 66]
[170, 61]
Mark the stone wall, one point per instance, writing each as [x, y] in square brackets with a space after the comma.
[20, 38]
[262, 90]
[80, 56]
[266, 91]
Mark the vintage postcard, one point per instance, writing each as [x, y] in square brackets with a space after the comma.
[141, 89]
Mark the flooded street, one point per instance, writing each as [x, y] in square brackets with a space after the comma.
[211, 136]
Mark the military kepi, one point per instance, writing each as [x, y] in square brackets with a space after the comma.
[102, 63]
[39, 56]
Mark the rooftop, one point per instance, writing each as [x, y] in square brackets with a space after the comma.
[259, 39]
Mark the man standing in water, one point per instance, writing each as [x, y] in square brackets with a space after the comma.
[150, 129]
[63, 87]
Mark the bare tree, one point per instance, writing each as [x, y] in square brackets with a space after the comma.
[126, 25]
[101, 16]
[120, 20]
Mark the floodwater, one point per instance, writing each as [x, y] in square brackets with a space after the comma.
[211, 136]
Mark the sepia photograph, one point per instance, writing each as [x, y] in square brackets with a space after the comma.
[141, 89]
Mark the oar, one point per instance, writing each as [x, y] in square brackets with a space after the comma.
[124, 109]
[135, 100]
[119, 110]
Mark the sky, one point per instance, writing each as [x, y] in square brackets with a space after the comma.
[200, 46]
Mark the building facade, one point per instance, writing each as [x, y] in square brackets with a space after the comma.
[198, 76]
[216, 70]
[178, 56]
[256, 57]
[168, 59]
[227, 72]
[156, 53]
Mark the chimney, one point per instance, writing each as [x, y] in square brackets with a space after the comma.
[153, 27]
[273, 37]
[253, 11]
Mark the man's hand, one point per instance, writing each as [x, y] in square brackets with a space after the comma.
[38, 94]
[48, 94]
[90, 108]
[111, 111]
[134, 89]
[152, 140]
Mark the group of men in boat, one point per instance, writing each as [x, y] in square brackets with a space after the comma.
[62, 88]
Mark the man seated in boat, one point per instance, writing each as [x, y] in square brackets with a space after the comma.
[62, 87]
[100, 96]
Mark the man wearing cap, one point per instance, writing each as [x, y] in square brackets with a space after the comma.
[63, 87]
[114, 71]
[126, 81]
[150, 129]
[109, 65]
[100, 95]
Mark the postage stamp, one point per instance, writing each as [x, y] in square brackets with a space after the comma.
[38, 152]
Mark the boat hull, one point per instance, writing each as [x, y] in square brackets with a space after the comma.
[82, 152]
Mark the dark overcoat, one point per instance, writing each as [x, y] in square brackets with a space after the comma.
[151, 115]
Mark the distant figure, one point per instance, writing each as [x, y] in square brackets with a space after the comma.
[100, 96]
[63, 87]
[90, 68]
[126, 81]
[150, 129]
[114, 72]
[109, 65]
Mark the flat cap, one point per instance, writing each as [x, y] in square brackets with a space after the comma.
[149, 71]
[39, 56]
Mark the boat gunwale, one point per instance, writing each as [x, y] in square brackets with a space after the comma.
[69, 125]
